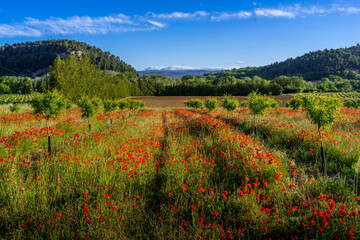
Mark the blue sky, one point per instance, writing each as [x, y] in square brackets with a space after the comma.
[198, 34]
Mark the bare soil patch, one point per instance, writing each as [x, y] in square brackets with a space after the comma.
[178, 101]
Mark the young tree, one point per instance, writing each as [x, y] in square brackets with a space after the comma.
[258, 104]
[110, 106]
[89, 107]
[14, 108]
[322, 111]
[194, 103]
[295, 102]
[230, 104]
[48, 106]
[123, 104]
[211, 103]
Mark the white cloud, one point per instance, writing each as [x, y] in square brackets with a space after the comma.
[349, 10]
[120, 23]
[240, 62]
[180, 15]
[264, 12]
[234, 15]
[18, 30]
[157, 24]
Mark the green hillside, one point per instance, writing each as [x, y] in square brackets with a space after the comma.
[311, 66]
[27, 58]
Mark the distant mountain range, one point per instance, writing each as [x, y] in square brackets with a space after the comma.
[179, 71]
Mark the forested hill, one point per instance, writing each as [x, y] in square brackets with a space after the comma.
[311, 66]
[32, 58]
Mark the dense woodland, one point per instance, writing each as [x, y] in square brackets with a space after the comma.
[26, 58]
[311, 66]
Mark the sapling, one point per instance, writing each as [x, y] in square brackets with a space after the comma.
[211, 103]
[14, 107]
[194, 103]
[89, 107]
[48, 106]
[230, 104]
[258, 105]
[110, 106]
[295, 102]
[322, 111]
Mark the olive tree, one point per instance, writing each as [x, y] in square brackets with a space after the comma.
[48, 106]
[259, 104]
[89, 107]
[322, 111]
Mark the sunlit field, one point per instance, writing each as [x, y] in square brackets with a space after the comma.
[178, 174]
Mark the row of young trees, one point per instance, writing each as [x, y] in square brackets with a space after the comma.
[321, 110]
[52, 104]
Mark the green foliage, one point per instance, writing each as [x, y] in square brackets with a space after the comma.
[258, 104]
[295, 102]
[322, 110]
[18, 98]
[352, 104]
[135, 104]
[14, 107]
[89, 106]
[110, 106]
[28, 57]
[194, 103]
[311, 66]
[230, 103]
[4, 89]
[76, 77]
[292, 84]
[19, 85]
[48, 105]
[211, 103]
[123, 104]
[68, 104]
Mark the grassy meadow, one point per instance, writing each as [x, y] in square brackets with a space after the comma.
[178, 174]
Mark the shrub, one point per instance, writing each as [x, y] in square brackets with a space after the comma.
[123, 104]
[194, 103]
[136, 104]
[294, 103]
[211, 103]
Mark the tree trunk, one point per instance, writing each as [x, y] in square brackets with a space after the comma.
[256, 132]
[110, 119]
[322, 154]
[49, 137]
[89, 125]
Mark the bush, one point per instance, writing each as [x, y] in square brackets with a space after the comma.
[136, 104]
[352, 104]
[123, 104]
[109, 106]
[194, 103]
[294, 103]
[230, 103]
[211, 103]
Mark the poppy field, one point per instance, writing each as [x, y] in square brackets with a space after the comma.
[178, 174]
